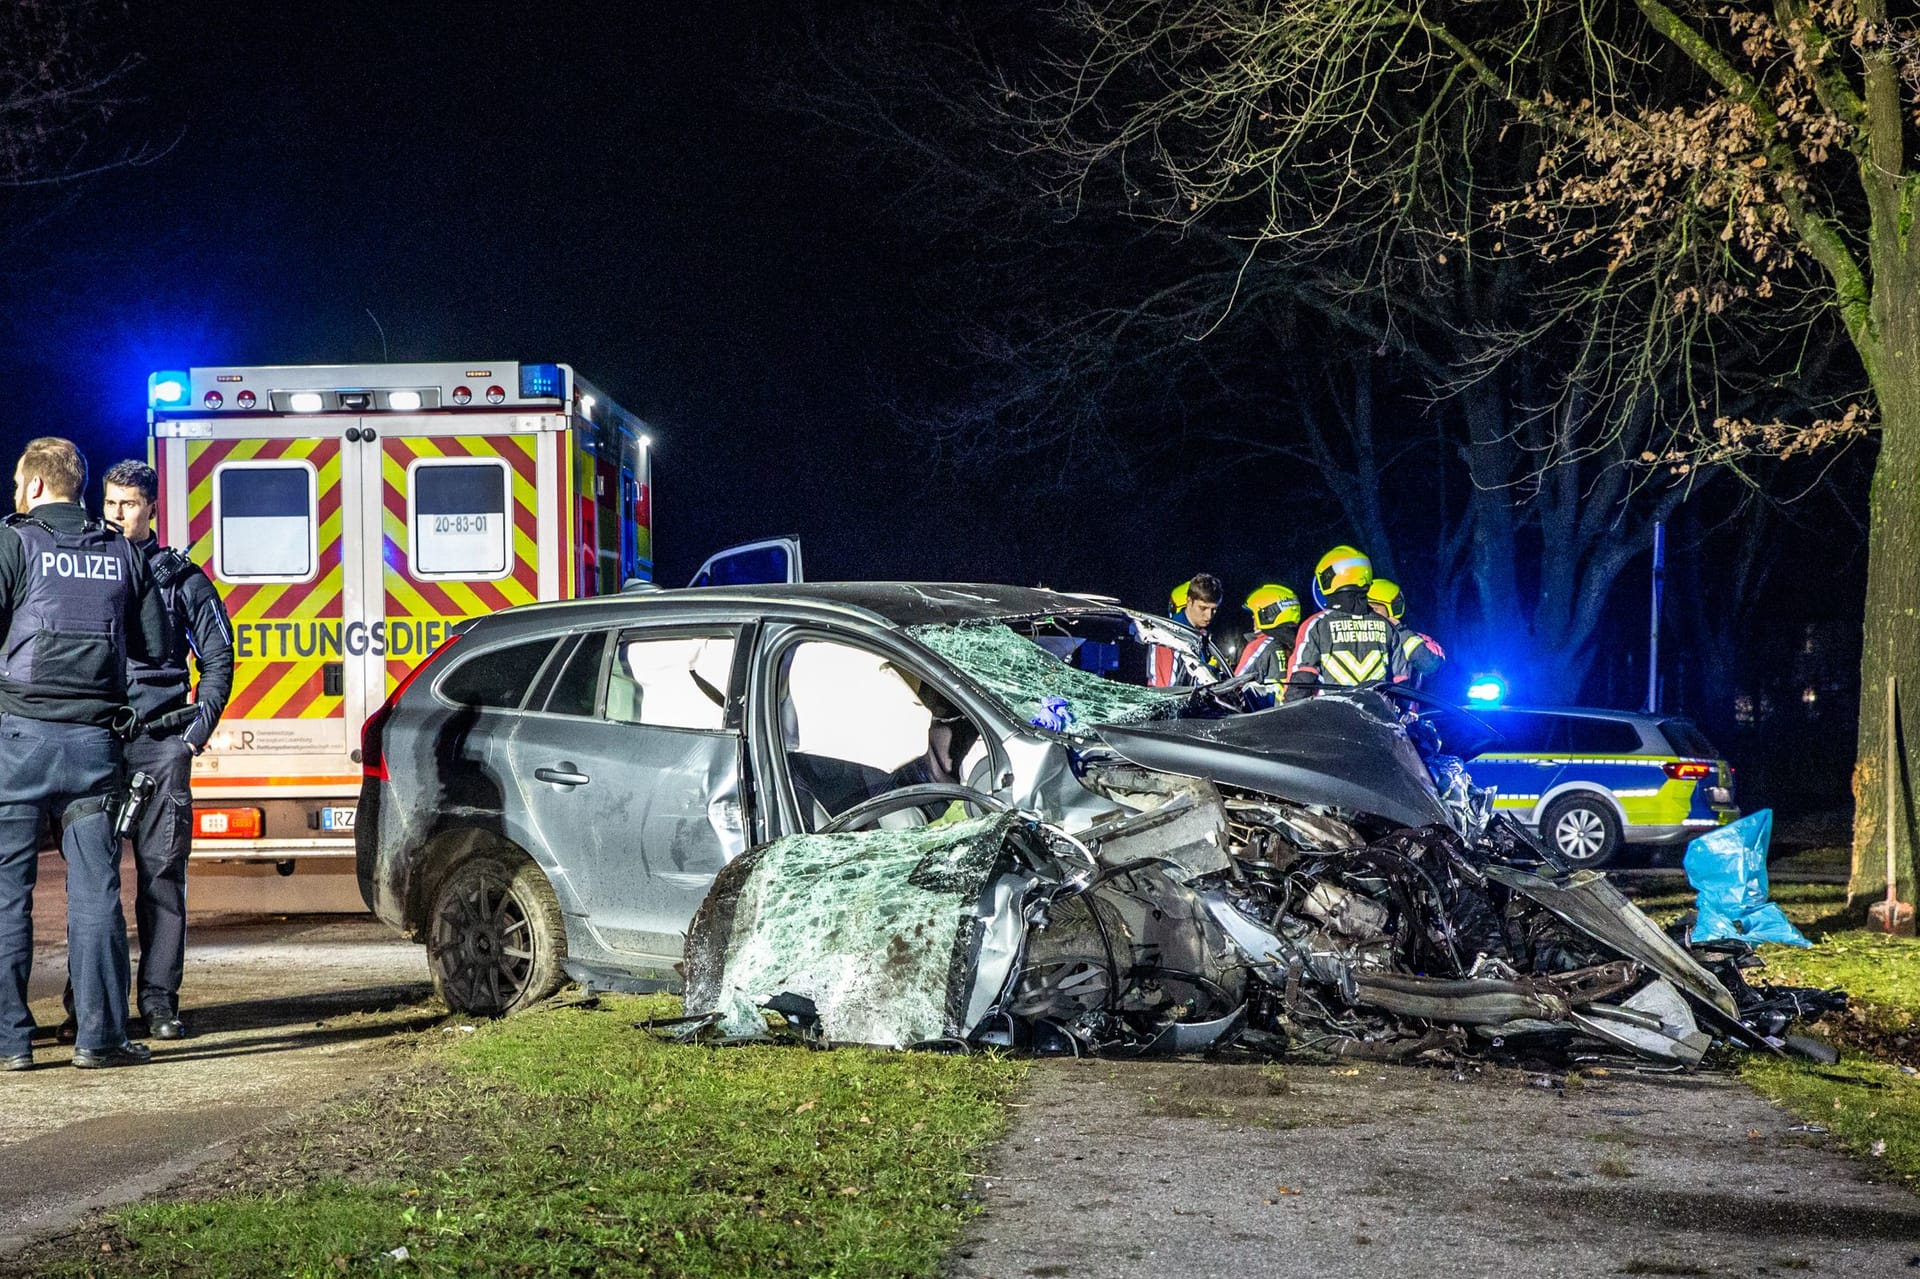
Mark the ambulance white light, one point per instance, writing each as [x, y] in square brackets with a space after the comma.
[403, 401]
[167, 390]
[586, 406]
[646, 441]
[305, 402]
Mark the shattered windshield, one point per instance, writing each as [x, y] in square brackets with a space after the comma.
[1064, 674]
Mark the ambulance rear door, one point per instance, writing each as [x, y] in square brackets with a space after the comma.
[461, 526]
[267, 506]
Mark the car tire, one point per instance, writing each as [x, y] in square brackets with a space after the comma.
[495, 939]
[1581, 830]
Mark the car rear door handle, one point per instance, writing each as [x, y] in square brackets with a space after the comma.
[562, 774]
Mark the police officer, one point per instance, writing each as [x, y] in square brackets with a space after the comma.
[172, 731]
[1423, 652]
[73, 593]
[1346, 645]
[1276, 622]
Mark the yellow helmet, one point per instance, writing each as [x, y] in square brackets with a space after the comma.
[1177, 597]
[1273, 605]
[1341, 567]
[1387, 594]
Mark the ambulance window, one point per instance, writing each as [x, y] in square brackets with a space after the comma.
[264, 522]
[500, 678]
[675, 681]
[460, 524]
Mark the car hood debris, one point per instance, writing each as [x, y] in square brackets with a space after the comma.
[1202, 914]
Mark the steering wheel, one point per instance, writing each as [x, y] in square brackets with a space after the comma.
[867, 812]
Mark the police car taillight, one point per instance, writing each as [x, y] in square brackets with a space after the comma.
[373, 757]
[1687, 770]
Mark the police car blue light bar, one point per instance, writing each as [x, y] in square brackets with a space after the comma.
[167, 389]
[1487, 690]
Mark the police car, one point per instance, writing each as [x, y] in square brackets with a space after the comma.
[1590, 781]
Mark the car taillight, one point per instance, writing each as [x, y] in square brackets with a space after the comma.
[373, 759]
[227, 823]
[1688, 770]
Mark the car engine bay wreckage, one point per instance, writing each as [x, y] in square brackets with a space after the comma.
[1199, 914]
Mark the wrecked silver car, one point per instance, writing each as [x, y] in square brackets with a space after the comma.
[558, 790]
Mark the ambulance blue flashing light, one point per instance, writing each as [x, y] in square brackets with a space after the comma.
[541, 381]
[167, 390]
[1487, 690]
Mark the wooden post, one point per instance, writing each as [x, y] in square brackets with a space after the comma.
[1892, 915]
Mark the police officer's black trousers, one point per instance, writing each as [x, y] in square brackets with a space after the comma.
[71, 772]
[161, 841]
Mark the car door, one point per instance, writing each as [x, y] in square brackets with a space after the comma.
[631, 773]
[776, 559]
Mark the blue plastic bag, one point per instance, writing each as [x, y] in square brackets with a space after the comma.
[1056, 715]
[1728, 869]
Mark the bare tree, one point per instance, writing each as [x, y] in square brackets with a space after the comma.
[1702, 175]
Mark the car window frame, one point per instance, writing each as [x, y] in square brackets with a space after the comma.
[779, 634]
[732, 717]
[553, 642]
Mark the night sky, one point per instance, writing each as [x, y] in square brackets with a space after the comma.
[607, 185]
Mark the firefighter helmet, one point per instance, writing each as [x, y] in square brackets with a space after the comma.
[1341, 567]
[1177, 597]
[1388, 596]
[1273, 605]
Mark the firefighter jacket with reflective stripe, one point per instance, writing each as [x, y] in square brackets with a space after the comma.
[1346, 645]
[73, 594]
[1423, 653]
[197, 625]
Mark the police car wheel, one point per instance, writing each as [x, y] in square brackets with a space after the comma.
[495, 939]
[1582, 830]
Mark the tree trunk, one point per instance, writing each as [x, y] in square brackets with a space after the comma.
[1890, 645]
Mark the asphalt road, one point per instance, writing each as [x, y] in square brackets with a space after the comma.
[284, 1011]
[1183, 1170]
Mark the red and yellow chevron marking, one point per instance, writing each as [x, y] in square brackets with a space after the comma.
[284, 632]
[413, 599]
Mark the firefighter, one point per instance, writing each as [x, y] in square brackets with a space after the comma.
[73, 594]
[1192, 604]
[1346, 645]
[173, 729]
[1276, 621]
[1423, 653]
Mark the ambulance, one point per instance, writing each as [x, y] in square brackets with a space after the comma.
[351, 516]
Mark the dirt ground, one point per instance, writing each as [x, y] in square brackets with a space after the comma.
[284, 1011]
[1197, 1169]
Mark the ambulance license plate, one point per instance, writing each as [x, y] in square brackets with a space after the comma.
[337, 818]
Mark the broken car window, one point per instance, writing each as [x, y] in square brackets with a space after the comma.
[1050, 679]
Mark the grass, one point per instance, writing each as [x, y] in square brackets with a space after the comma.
[1868, 1101]
[565, 1141]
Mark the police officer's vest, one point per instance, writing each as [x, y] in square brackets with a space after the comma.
[170, 570]
[69, 632]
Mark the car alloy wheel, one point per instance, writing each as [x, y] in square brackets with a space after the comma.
[495, 940]
[1582, 832]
